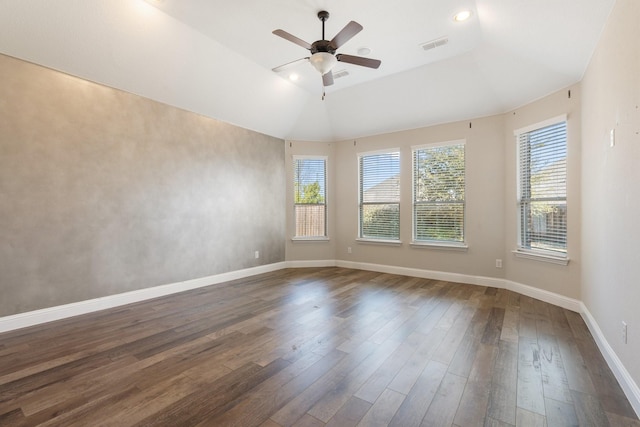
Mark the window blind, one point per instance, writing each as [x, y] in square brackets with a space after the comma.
[379, 182]
[542, 200]
[309, 183]
[439, 193]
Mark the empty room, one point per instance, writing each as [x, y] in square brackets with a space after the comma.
[317, 213]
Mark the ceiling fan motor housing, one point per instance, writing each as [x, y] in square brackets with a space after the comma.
[323, 52]
[322, 46]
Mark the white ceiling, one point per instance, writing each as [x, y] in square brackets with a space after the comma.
[215, 57]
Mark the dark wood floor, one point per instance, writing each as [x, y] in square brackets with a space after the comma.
[314, 347]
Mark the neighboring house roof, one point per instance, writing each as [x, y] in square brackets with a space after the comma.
[385, 191]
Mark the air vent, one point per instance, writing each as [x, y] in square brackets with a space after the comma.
[340, 73]
[435, 43]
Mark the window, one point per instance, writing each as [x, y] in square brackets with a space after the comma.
[542, 188]
[438, 193]
[309, 184]
[379, 194]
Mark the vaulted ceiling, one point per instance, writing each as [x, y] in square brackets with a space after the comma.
[215, 57]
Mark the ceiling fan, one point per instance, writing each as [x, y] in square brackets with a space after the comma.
[323, 52]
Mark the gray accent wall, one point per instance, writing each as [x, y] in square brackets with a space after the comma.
[103, 192]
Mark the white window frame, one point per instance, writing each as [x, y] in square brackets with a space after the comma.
[325, 235]
[369, 239]
[555, 257]
[442, 244]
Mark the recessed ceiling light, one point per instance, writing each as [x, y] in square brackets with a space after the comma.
[463, 15]
[293, 77]
[364, 51]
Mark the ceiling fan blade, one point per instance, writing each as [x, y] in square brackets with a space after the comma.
[289, 64]
[327, 78]
[359, 60]
[350, 30]
[292, 38]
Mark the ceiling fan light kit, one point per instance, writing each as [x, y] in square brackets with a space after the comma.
[323, 52]
[323, 62]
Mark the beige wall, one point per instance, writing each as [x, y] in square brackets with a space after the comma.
[563, 280]
[484, 232]
[103, 192]
[491, 210]
[611, 183]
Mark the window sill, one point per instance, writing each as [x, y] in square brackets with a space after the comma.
[379, 242]
[310, 239]
[553, 259]
[448, 246]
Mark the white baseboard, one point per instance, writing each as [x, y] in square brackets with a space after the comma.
[311, 263]
[530, 291]
[627, 383]
[36, 317]
[546, 296]
[424, 274]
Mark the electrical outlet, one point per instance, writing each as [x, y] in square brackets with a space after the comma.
[624, 332]
[257, 254]
[349, 249]
[498, 263]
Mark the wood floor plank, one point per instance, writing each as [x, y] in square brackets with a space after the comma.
[210, 400]
[560, 413]
[554, 379]
[308, 421]
[447, 349]
[493, 328]
[377, 382]
[621, 421]
[502, 398]
[530, 419]
[462, 361]
[335, 398]
[510, 324]
[445, 403]
[350, 414]
[530, 391]
[472, 410]
[13, 417]
[575, 366]
[309, 347]
[492, 422]
[603, 379]
[589, 410]
[473, 404]
[415, 405]
[383, 409]
[405, 379]
[299, 405]
[271, 396]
